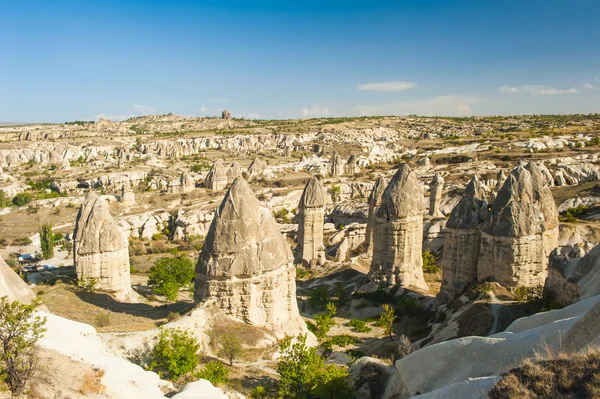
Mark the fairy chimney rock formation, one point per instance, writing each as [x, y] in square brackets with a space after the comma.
[234, 171]
[398, 233]
[216, 179]
[374, 202]
[100, 251]
[462, 241]
[435, 195]
[246, 266]
[311, 217]
[352, 165]
[226, 115]
[521, 232]
[256, 168]
[127, 196]
[65, 165]
[336, 165]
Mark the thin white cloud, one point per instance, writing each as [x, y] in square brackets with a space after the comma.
[315, 111]
[436, 106]
[535, 90]
[144, 109]
[388, 86]
[250, 115]
[137, 110]
[203, 109]
[588, 86]
[220, 100]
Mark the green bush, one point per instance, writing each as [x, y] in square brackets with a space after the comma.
[359, 326]
[324, 322]
[20, 330]
[319, 297]
[304, 374]
[47, 241]
[174, 354]
[339, 340]
[3, 200]
[215, 372]
[408, 305]
[528, 294]
[22, 199]
[429, 262]
[169, 275]
[302, 272]
[572, 214]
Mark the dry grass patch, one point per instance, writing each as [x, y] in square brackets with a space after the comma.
[92, 383]
[563, 377]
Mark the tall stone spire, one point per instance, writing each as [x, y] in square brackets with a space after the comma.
[398, 233]
[462, 241]
[336, 165]
[435, 197]
[311, 217]
[374, 203]
[246, 266]
[100, 251]
[127, 195]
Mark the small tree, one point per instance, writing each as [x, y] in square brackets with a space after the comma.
[20, 331]
[169, 275]
[231, 347]
[304, 374]
[47, 241]
[386, 320]
[215, 372]
[174, 354]
[324, 322]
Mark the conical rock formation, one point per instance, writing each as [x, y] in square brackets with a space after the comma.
[216, 179]
[247, 267]
[100, 251]
[374, 203]
[311, 217]
[398, 233]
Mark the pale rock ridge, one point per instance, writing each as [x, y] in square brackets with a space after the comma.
[311, 217]
[183, 185]
[462, 241]
[100, 251]
[435, 196]
[246, 266]
[216, 179]
[500, 179]
[374, 202]
[398, 233]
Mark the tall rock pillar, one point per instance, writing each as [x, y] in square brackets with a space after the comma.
[311, 217]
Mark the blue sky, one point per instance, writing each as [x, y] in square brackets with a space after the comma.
[68, 60]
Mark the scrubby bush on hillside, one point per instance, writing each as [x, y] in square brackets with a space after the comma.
[304, 374]
[174, 354]
[22, 199]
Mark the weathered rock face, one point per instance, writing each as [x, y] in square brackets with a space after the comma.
[462, 241]
[435, 196]
[65, 165]
[336, 165]
[100, 251]
[374, 203]
[127, 195]
[216, 179]
[500, 179]
[515, 242]
[311, 217]
[398, 233]
[226, 115]
[247, 267]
